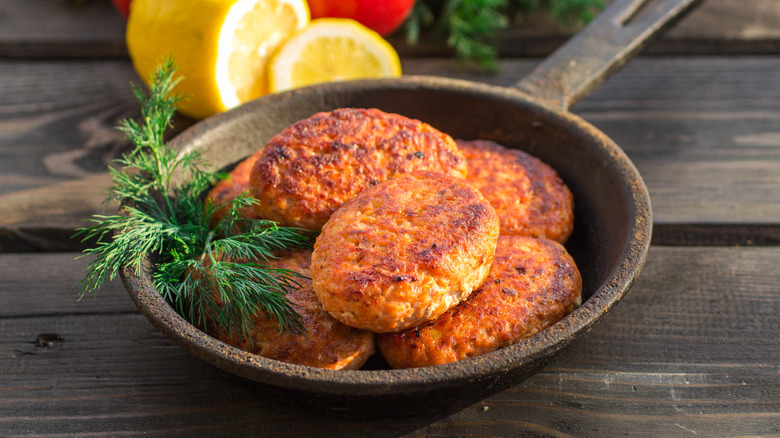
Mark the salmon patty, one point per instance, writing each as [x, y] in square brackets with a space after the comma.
[404, 251]
[533, 283]
[313, 166]
[225, 190]
[528, 195]
[327, 343]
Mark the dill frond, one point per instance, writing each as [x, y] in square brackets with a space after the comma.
[210, 276]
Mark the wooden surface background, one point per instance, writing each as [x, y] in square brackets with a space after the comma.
[693, 350]
[706, 144]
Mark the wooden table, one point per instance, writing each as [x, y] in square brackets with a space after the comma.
[693, 350]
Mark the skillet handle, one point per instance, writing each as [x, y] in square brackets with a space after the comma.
[598, 50]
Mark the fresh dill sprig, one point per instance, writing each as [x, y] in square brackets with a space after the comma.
[211, 274]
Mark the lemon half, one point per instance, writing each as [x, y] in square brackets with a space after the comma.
[221, 47]
[332, 49]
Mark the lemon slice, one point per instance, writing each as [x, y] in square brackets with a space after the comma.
[332, 49]
[221, 47]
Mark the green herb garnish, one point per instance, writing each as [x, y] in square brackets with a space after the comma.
[471, 27]
[210, 274]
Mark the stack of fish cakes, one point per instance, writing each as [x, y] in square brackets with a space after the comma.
[409, 223]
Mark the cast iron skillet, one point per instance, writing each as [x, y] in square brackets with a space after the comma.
[611, 233]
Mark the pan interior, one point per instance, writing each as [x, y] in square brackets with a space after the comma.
[610, 239]
[589, 163]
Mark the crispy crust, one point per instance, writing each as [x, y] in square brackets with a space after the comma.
[313, 166]
[528, 195]
[404, 251]
[327, 343]
[533, 283]
[229, 188]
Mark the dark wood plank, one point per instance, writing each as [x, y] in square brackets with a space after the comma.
[702, 131]
[715, 27]
[57, 136]
[61, 29]
[722, 234]
[92, 29]
[698, 136]
[58, 119]
[54, 277]
[691, 351]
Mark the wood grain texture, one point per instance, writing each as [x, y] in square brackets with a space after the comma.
[58, 120]
[691, 351]
[61, 29]
[703, 132]
[92, 29]
[714, 27]
[58, 134]
[46, 285]
[711, 156]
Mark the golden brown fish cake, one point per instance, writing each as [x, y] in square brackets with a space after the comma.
[533, 283]
[229, 188]
[404, 251]
[313, 166]
[528, 195]
[327, 343]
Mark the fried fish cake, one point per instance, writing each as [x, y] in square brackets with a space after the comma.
[327, 343]
[533, 283]
[229, 188]
[404, 251]
[528, 195]
[313, 166]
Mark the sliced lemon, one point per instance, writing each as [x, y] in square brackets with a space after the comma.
[221, 47]
[332, 49]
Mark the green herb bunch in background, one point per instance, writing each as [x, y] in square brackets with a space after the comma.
[471, 27]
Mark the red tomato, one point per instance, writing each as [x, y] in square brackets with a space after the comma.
[122, 6]
[383, 16]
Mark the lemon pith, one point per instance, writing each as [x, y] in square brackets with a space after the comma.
[332, 49]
